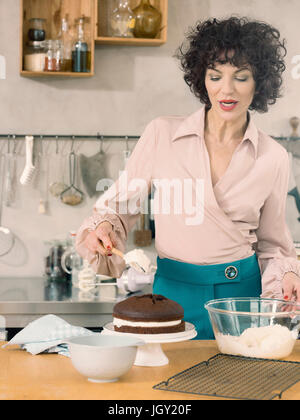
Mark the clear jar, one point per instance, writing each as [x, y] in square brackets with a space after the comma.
[53, 56]
[36, 30]
[34, 56]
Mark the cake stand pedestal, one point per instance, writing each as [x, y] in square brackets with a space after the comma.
[151, 353]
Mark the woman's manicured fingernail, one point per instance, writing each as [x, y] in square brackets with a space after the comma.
[285, 297]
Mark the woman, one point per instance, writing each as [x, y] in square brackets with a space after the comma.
[224, 233]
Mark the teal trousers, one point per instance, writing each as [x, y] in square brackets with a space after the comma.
[193, 285]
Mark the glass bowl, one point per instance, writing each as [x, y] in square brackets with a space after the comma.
[255, 327]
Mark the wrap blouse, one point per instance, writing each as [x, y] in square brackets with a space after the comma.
[196, 222]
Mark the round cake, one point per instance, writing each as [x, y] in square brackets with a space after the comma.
[148, 314]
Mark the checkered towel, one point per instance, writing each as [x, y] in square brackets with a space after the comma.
[47, 334]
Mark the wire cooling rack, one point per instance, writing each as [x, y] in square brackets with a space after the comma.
[237, 377]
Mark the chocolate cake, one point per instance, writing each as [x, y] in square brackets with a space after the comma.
[148, 314]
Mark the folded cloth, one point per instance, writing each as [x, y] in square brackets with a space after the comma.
[47, 334]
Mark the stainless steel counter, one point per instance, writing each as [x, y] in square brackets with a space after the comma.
[24, 299]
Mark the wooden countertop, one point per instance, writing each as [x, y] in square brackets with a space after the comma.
[52, 376]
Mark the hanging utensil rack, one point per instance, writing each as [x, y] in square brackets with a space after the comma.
[70, 137]
[98, 137]
[286, 138]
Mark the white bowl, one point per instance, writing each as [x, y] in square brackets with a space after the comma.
[103, 358]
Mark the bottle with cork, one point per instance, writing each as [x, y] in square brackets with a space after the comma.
[81, 51]
[66, 38]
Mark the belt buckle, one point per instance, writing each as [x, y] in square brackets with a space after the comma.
[231, 272]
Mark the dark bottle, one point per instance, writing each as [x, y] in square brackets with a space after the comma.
[147, 21]
[81, 54]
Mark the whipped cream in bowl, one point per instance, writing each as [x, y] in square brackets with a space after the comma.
[255, 327]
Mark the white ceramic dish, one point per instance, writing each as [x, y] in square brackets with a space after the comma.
[103, 358]
[151, 353]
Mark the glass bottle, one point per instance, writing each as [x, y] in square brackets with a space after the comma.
[67, 42]
[71, 261]
[122, 20]
[81, 53]
[148, 20]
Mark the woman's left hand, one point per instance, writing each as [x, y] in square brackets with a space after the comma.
[291, 286]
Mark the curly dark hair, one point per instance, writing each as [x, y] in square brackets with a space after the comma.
[239, 41]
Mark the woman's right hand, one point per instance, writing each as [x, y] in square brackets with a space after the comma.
[101, 240]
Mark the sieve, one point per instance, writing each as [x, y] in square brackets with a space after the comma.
[72, 195]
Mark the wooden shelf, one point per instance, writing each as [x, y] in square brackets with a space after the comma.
[129, 41]
[53, 11]
[102, 11]
[98, 12]
[54, 74]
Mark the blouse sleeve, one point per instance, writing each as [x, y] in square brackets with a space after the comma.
[274, 248]
[121, 204]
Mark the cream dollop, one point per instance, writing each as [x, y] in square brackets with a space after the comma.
[137, 258]
[269, 342]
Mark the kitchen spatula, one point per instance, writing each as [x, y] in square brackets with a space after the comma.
[142, 237]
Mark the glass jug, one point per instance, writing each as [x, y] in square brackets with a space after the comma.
[71, 261]
[148, 20]
[122, 20]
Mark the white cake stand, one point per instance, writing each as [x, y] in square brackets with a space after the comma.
[151, 353]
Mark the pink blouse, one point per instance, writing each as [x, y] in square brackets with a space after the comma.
[196, 222]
